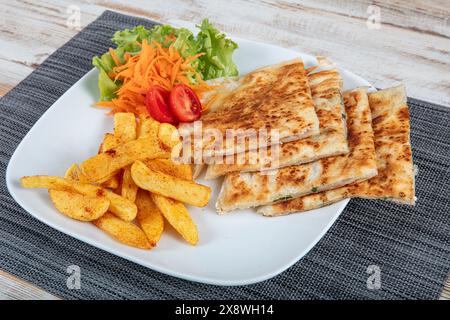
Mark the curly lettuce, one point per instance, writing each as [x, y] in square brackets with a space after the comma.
[217, 61]
[106, 85]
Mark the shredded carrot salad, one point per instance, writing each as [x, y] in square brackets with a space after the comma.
[154, 65]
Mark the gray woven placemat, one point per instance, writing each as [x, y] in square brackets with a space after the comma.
[411, 246]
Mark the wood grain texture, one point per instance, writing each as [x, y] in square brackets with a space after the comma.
[412, 46]
[12, 288]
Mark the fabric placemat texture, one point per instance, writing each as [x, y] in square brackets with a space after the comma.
[410, 246]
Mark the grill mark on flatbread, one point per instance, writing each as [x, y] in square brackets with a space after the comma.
[326, 89]
[273, 98]
[244, 190]
[395, 179]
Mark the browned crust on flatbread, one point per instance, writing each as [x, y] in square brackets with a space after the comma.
[395, 179]
[272, 98]
[326, 88]
[393, 145]
[254, 189]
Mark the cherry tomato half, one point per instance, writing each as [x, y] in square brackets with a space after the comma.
[157, 102]
[184, 103]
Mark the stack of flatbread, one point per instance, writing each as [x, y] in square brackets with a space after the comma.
[332, 145]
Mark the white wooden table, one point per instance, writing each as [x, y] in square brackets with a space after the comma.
[410, 44]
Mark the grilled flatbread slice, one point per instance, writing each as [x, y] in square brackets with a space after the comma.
[244, 190]
[395, 179]
[212, 100]
[326, 89]
[272, 98]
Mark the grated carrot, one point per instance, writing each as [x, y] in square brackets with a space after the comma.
[153, 65]
[114, 57]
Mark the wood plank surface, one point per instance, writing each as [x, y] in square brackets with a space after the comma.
[13, 288]
[411, 46]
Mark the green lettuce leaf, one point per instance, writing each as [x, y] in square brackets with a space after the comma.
[184, 39]
[106, 85]
[125, 37]
[185, 43]
[217, 61]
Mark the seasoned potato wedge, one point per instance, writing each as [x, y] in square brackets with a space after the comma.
[163, 184]
[78, 206]
[125, 131]
[147, 127]
[109, 142]
[47, 182]
[168, 134]
[112, 183]
[177, 215]
[167, 166]
[124, 126]
[124, 231]
[74, 173]
[129, 188]
[103, 165]
[149, 217]
[123, 208]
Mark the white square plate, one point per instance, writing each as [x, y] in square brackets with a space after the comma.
[235, 249]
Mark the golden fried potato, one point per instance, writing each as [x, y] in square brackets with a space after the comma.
[129, 188]
[124, 231]
[168, 134]
[112, 183]
[163, 184]
[78, 206]
[100, 167]
[124, 126]
[109, 142]
[177, 215]
[148, 127]
[125, 131]
[74, 173]
[121, 207]
[167, 166]
[47, 182]
[149, 217]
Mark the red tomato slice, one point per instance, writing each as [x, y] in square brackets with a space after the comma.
[184, 103]
[157, 102]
